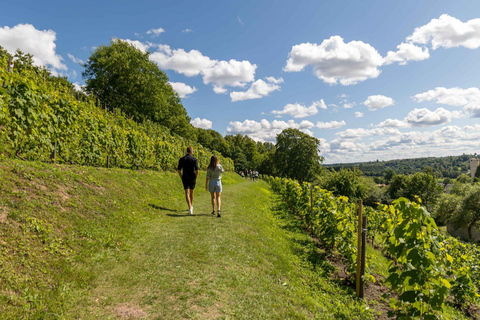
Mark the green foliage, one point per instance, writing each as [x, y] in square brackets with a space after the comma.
[332, 219]
[39, 112]
[345, 182]
[417, 272]
[297, 155]
[123, 77]
[471, 210]
[426, 268]
[420, 185]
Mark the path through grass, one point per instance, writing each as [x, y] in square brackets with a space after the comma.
[243, 265]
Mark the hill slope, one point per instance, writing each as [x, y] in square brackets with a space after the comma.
[83, 242]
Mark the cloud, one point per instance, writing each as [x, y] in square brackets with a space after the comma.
[355, 134]
[240, 21]
[201, 123]
[298, 110]
[448, 32]
[219, 90]
[411, 144]
[187, 31]
[191, 63]
[257, 90]
[75, 60]
[230, 73]
[265, 130]
[182, 89]
[456, 97]
[139, 45]
[320, 104]
[406, 52]
[155, 32]
[41, 44]
[422, 118]
[335, 61]
[379, 101]
[393, 123]
[330, 125]
[349, 105]
[358, 114]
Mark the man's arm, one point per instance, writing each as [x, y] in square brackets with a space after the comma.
[180, 173]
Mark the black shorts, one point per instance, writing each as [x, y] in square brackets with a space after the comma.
[189, 184]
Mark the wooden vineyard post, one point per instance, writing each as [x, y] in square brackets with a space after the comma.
[359, 245]
[364, 251]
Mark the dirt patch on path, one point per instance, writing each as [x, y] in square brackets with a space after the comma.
[126, 311]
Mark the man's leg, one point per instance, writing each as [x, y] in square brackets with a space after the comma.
[191, 198]
[187, 197]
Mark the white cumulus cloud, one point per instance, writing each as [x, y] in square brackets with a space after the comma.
[230, 73]
[335, 61]
[182, 89]
[191, 63]
[265, 130]
[330, 125]
[448, 32]
[358, 114]
[138, 44]
[298, 110]
[201, 123]
[257, 90]
[406, 52]
[456, 97]
[422, 118]
[379, 101]
[41, 44]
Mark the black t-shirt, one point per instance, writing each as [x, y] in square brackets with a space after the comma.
[189, 165]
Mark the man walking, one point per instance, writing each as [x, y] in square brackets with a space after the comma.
[188, 172]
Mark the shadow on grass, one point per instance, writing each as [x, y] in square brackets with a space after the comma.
[189, 215]
[304, 244]
[154, 206]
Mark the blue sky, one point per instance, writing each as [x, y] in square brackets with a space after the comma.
[371, 79]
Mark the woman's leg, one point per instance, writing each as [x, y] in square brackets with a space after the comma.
[219, 200]
[212, 195]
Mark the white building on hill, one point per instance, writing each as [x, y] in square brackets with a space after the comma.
[473, 166]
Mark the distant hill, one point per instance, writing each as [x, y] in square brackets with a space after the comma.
[447, 167]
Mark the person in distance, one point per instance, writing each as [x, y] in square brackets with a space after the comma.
[188, 172]
[213, 183]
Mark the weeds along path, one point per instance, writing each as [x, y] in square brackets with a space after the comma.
[242, 265]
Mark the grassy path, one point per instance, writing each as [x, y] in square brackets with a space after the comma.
[242, 265]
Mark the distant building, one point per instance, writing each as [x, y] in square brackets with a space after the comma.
[473, 166]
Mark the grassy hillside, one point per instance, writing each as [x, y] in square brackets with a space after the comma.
[83, 242]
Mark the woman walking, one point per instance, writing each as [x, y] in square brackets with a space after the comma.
[214, 175]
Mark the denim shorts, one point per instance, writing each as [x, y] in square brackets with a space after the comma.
[215, 186]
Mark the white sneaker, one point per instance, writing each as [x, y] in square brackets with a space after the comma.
[190, 211]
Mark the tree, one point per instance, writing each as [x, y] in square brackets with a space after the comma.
[297, 155]
[471, 210]
[122, 77]
[346, 182]
[421, 184]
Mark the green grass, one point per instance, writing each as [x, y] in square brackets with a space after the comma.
[94, 243]
[82, 242]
